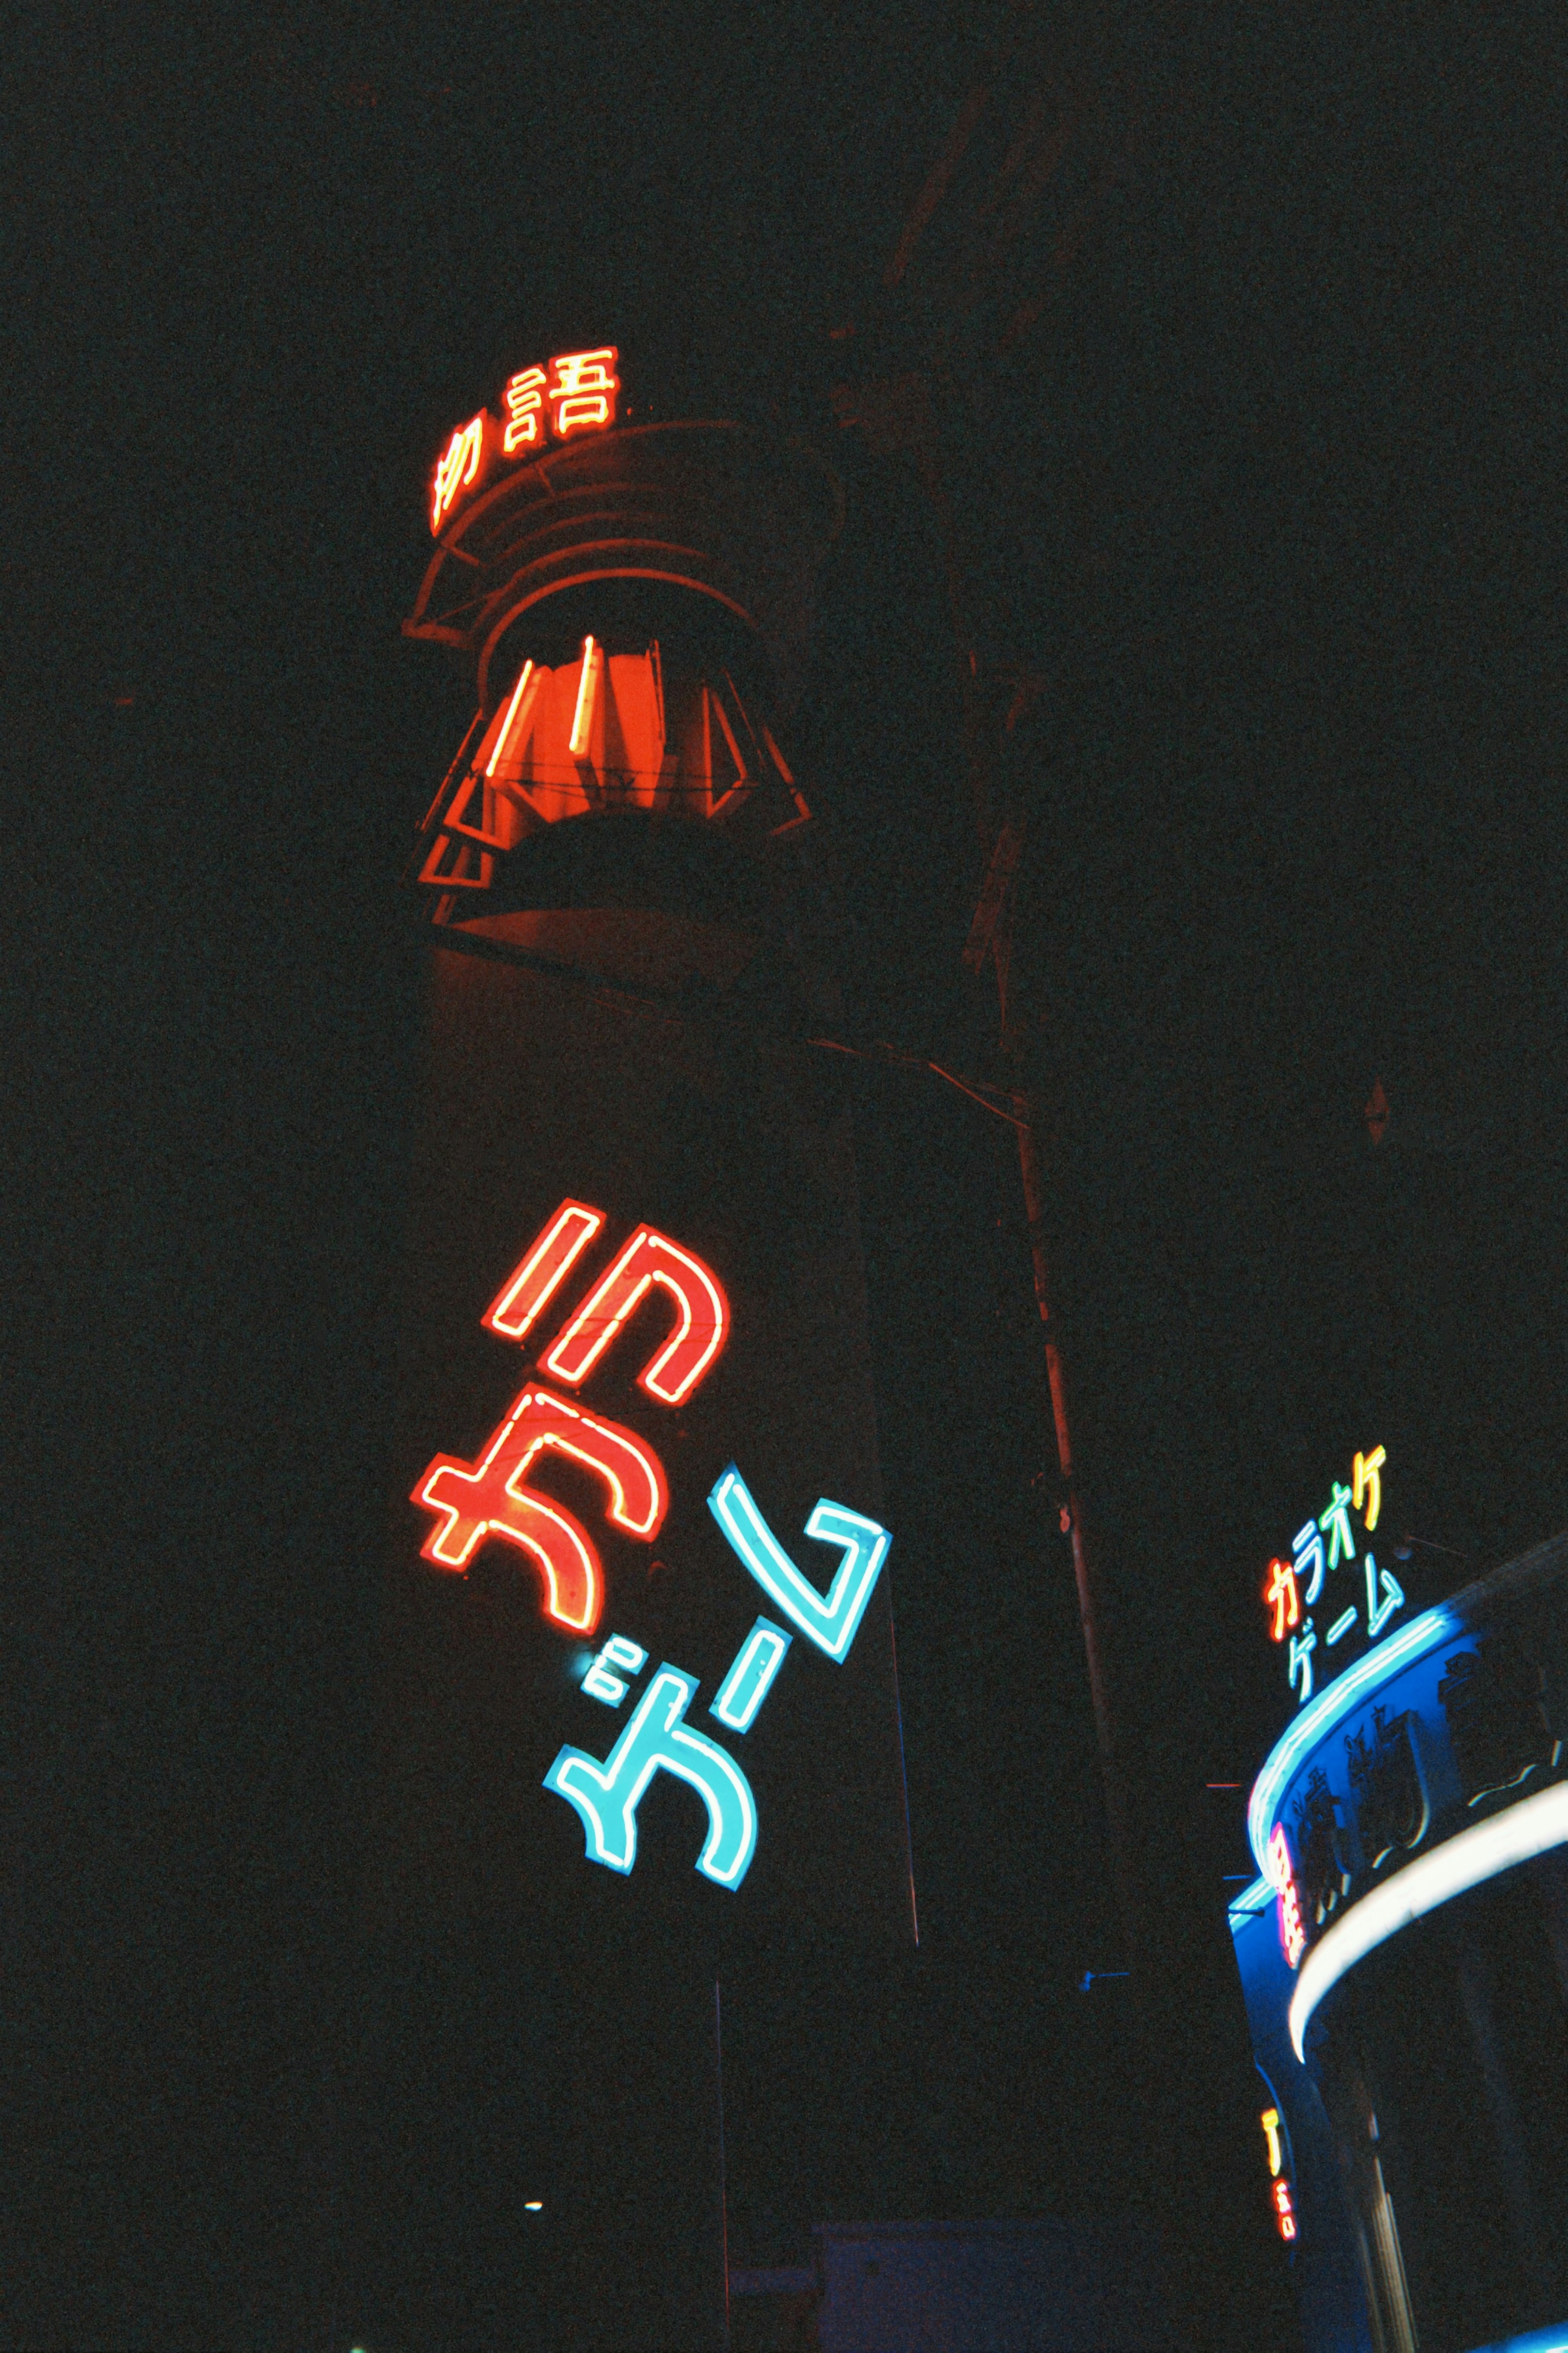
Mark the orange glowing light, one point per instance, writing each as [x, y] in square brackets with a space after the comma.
[587, 686]
[648, 1259]
[524, 412]
[489, 1498]
[582, 388]
[456, 467]
[1283, 2213]
[529, 675]
[1279, 1594]
[535, 1279]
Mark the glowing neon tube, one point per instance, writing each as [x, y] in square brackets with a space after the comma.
[1531, 1827]
[583, 717]
[1320, 1716]
[526, 673]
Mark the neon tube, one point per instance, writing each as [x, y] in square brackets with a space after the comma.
[526, 673]
[1320, 1716]
[830, 1620]
[1465, 1861]
[535, 1279]
[751, 1676]
[583, 717]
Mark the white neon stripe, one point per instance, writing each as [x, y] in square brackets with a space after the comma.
[1320, 1714]
[583, 718]
[527, 673]
[1529, 1827]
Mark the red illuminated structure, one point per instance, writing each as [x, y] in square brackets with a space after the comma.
[632, 1168]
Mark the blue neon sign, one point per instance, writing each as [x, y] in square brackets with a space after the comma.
[832, 1619]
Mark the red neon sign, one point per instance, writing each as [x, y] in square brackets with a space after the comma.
[535, 1279]
[489, 1498]
[458, 467]
[1292, 1935]
[524, 412]
[687, 1356]
[578, 393]
[1283, 2213]
[582, 388]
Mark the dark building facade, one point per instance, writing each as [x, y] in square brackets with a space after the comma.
[640, 1743]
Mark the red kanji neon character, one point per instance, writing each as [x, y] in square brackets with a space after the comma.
[524, 412]
[456, 467]
[1279, 1594]
[473, 1501]
[583, 390]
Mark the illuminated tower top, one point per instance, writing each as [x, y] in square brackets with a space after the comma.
[629, 595]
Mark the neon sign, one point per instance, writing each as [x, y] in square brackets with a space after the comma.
[1293, 1587]
[577, 392]
[830, 1620]
[1292, 1934]
[649, 1258]
[1279, 2186]
[492, 1497]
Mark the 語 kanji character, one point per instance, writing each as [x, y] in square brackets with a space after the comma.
[1367, 1481]
[1279, 1595]
[1308, 1545]
[524, 412]
[1336, 1523]
[1302, 1646]
[582, 388]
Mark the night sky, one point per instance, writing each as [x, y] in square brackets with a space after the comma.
[1269, 497]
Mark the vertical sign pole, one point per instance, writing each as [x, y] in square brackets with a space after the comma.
[723, 2176]
[1082, 1559]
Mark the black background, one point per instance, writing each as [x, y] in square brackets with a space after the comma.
[1275, 498]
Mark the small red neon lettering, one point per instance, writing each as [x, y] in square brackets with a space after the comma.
[582, 388]
[535, 1279]
[674, 1372]
[524, 412]
[489, 1498]
[1292, 1935]
[456, 467]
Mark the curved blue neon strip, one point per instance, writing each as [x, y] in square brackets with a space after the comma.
[1320, 1716]
[1536, 2340]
